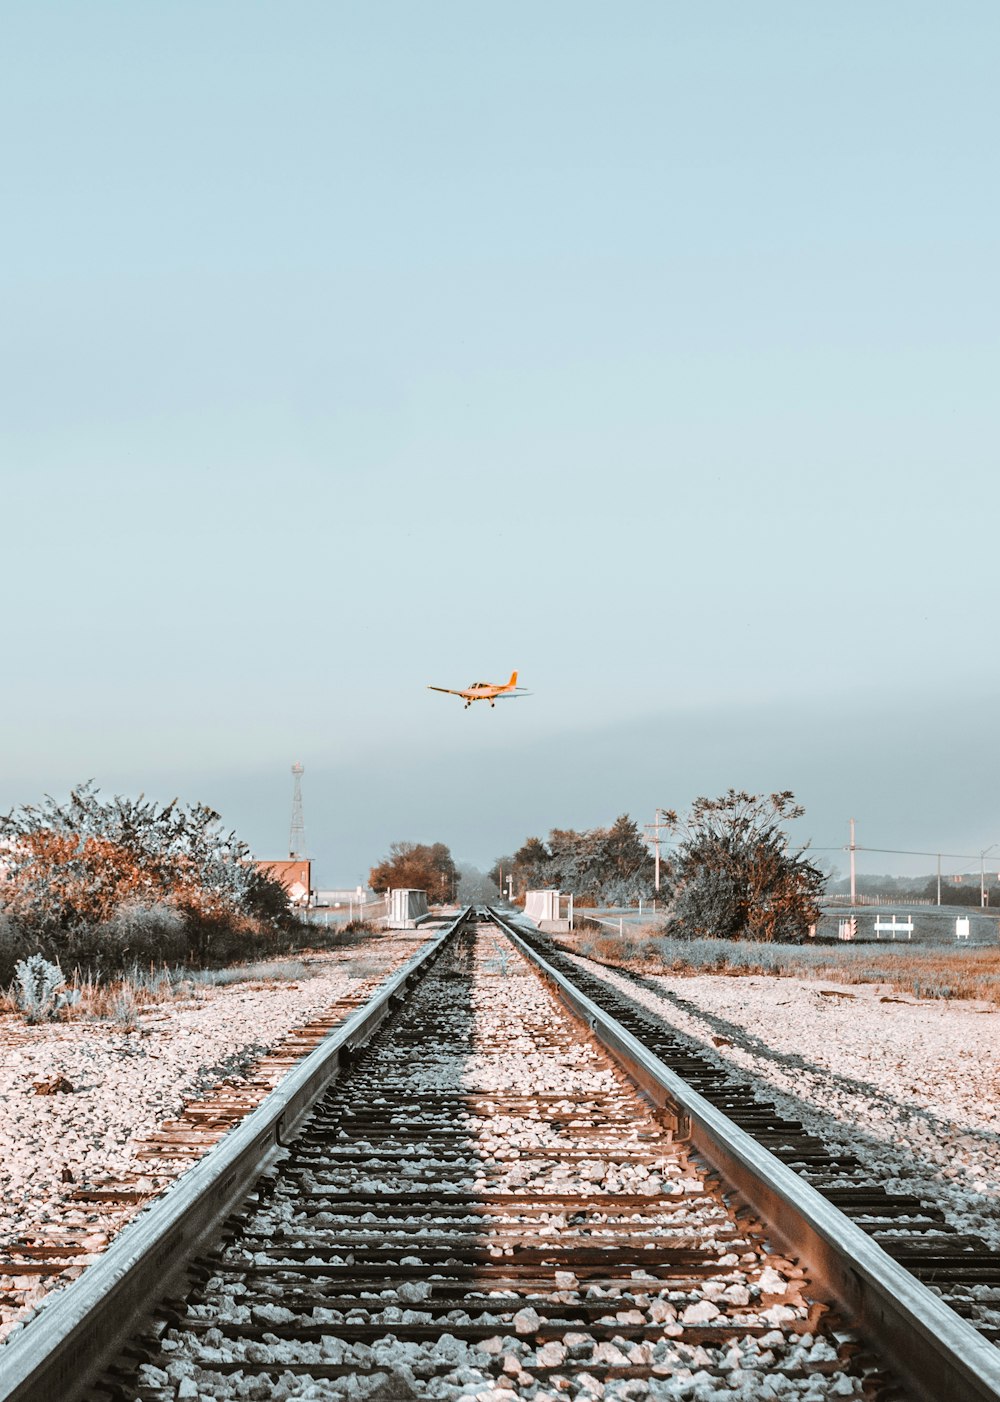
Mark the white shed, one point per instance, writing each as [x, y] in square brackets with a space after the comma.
[543, 908]
[406, 909]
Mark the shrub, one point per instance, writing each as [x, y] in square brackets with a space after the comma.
[84, 860]
[144, 934]
[733, 875]
[101, 883]
[13, 946]
[135, 935]
[36, 988]
[360, 927]
[125, 1008]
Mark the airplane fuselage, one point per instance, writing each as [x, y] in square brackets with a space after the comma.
[483, 691]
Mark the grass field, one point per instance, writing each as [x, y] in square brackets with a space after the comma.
[920, 970]
[932, 924]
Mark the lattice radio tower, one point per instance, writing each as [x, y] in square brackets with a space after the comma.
[297, 833]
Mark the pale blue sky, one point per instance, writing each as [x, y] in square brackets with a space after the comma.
[648, 348]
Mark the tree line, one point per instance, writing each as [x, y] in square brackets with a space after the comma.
[731, 870]
[600, 866]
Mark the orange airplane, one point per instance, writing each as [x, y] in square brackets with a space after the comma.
[486, 691]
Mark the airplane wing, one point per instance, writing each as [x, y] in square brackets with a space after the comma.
[446, 689]
[512, 695]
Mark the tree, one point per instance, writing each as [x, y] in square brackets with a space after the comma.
[531, 867]
[733, 874]
[499, 871]
[475, 887]
[957, 893]
[626, 869]
[573, 862]
[418, 867]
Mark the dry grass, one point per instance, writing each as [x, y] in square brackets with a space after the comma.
[362, 967]
[122, 998]
[922, 971]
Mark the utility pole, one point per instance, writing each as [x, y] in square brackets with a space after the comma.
[982, 874]
[853, 849]
[656, 827]
[939, 878]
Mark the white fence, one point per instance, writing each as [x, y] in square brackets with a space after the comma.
[330, 915]
[866, 899]
[903, 927]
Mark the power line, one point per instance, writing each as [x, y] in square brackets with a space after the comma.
[898, 852]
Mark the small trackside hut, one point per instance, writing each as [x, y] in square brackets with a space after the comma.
[407, 908]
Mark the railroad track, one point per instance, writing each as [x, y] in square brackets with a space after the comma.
[482, 1204]
[58, 1253]
[962, 1268]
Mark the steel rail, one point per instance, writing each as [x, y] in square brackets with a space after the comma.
[938, 1354]
[79, 1329]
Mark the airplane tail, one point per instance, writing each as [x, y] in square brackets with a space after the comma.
[513, 679]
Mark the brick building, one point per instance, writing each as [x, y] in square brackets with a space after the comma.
[295, 875]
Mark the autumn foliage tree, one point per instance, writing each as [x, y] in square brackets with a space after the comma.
[69, 870]
[734, 875]
[416, 866]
